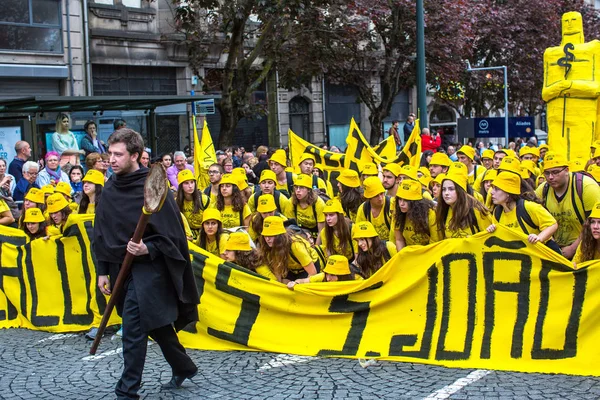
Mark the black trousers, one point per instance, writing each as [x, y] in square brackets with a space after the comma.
[135, 342]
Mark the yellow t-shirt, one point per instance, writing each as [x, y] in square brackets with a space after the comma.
[411, 238]
[378, 222]
[349, 254]
[306, 217]
[266, 272]
[538, 214]
[477, 172]
[4, 207]
[578, 257]
[482, 224]
[285, 205]
[186, 227]
[91, 208]
[194, 219]
[301, 254]
[231, 219]
[211, 247]
[563, 210]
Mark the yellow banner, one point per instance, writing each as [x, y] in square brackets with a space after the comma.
[204, 154]
[491, 301]
[325, 160]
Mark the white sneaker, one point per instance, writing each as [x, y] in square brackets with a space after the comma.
[366, 362]
[120, 332]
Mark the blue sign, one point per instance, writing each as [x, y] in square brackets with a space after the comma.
[494, 127]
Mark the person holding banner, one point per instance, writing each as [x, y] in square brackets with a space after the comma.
[414, 219]
[34, 223]
[458, 214]
[289, 257]
[93, 183]
[33, 199]
[307, 205]
[59, 211]
[350, 195]
[239, 251]
[336, 236]
[266, 208]
[337, 269]
[267, 184]
[377, 208]
[191, 201]
[230, 202]
[589, 247]
[211, 237]
[372, 251]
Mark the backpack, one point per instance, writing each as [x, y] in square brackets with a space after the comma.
[290, 185]
[576, 187]
[386, 211]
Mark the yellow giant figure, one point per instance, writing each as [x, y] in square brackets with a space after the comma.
[571, 89]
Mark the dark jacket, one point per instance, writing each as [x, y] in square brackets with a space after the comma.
[87, 144]
[21, 189]
[407, 131]
[16, 168]
[164, 279]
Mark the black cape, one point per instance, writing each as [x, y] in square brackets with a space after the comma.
[164, 280]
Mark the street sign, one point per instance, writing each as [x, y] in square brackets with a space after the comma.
[205, 107]
[494, 127]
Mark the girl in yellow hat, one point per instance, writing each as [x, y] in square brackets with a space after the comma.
[266, 207]
[372, 251]
[336, 236]
[589, 247]
[191, 201]
[231, 204]
[414, 218]
[212, 238]
[59, 211]
[337, 269]
[239, 251]
[289, 257]
[267, 185]
[308, 206]
[350, 194]
[34, 198]
[93, 182]
[34, 223]
[458, 214]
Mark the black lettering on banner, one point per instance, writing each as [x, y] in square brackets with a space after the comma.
[248, 313]
[11, 311]
[13, 272]
[325, 158]
[70, 318]
[522, 289]
[569, 349]
[360, 313]
[36, 320]
[447, 260]
[512, 245]
[398, 342]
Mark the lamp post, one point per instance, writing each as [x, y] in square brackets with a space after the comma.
[421, 81]
[505, 73]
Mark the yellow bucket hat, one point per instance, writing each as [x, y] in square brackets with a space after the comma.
[266, 203]
[369, 169]
[363, 229]
[349, 177]
[529, 166]
[229, 178]
[211, 213]
[594, 170]
[239, 171]
[510, 183]
[595, 211]
[307, 156]
[577, 165]
[97, 177]
[182, 176]
[529, 150]
[242, 183]
[425, 180]
[510, 164]
[543, 146]
[48, 189]
[279, 157]
[458, 178]
[554, 160]
[333, 206]
[440, 159]
[490, 175]
[409, 190]
[439, 179]
[458, 168]
[64, 188]
[267, 174]
[337, 265]
[238, 241]
[424, 171]
[273, 226]
[489, 153]
[410, 172]
[35, 195]
[393, 168]
[373, 187]
[56, 202]
[303, 180]
[34, 215]
[467, 151]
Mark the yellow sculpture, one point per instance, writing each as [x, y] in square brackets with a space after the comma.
[571, 89]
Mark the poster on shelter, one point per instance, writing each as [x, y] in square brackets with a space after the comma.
[9, 136]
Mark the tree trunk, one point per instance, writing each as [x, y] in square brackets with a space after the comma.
[229, 120]
[376, 120]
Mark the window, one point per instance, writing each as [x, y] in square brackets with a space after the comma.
[31, 25]
[132, 3]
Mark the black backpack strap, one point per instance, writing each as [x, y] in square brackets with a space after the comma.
[523, 217]
[207, 191]
[367, 210]
[474, 228]
[290, 182]
[205, 206]
[315, 181]
[386, 210]
[242, 217]
[277, 196]
[545, 191]
[351, 243]
[498, 213]
[577, 188]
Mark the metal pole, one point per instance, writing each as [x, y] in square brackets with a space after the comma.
[421, 80]
[504, 70]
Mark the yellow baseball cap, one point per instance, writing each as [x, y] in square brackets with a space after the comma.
[510, 164]
[595, 211]
[490, 175]
[410, 190]
[34, 215]
[267, 174]
[467, 151]
[266, 203]
[410, 172]
[489, 153]
[229, 178]
[349, 177]
[458, 178]
[363, 229]
[303, 180]
[393, 168]
[48, 189]
[307, 156]
[373, 187]
[554, 160]
[64, 188]
[510, 183]
[211, 213]
[279, 157]
[97, 178]
[273, 226]
[369, 169]
[238, 241]
[182, 176]
[440, 159]
[337, 265]
[56, 202]
[333, 206]
[35, 195]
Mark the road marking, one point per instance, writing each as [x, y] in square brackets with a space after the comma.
[103, 355]
[449, 390]
[58, 336]
[285, 359]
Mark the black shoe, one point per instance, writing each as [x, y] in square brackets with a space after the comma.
[177, 380]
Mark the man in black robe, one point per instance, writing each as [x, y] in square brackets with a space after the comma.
[160, 295]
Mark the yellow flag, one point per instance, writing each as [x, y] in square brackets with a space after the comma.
[204, 154]
[359, 152]
[325, 160]
[411, 152]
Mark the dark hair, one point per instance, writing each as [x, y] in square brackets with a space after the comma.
[119, 123]
[219, 166]
[418, 214]
[351, 198]
[276, 257]
[202, 237]
[237, 199]
[247, 259]
[87, 125]
[85, 199]
[196, 198]
[394, 121]
[311, 198]
[74, 167]
[39, 234]
[588, 243]
[462, 213]
[65, 214]
[424, 162]
[344, 236]
[372, 260]
[133, 140]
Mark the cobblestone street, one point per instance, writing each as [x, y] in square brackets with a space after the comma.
[41, 365]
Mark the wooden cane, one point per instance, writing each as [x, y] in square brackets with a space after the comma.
[155, 194]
